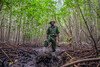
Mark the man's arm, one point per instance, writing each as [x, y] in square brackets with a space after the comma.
[57, 31]
[48, 32]
[58, 37]
[47, 36]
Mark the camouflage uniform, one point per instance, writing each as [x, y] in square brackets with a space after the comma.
[52, 33]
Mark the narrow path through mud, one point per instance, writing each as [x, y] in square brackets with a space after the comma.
[39, 58]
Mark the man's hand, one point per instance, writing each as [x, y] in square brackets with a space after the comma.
[57, 40]
[47, 36]
[58, 43]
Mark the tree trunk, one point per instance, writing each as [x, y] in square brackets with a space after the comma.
[95, 44]
[1, 4]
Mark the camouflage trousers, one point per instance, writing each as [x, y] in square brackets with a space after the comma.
[51, 40]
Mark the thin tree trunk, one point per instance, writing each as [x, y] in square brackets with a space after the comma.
[1, 4]
[95, 44]
[1, 28]
[10, 22]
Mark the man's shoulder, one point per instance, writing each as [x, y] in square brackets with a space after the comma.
[56, 26]
[51, 27]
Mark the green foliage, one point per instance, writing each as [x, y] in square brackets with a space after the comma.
[35, 14]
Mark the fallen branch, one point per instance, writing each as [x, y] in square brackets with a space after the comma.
[71, 58]
[1, 60]
[5, 54]
[80, 61]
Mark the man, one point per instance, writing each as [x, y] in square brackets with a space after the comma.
[52, 36]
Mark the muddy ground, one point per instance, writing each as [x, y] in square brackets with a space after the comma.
[28, 56]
